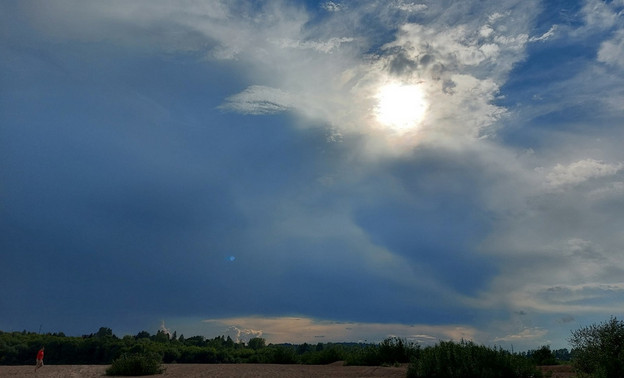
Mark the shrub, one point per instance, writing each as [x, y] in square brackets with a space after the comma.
[598, 350]
[468, 360]
[136, 364]
[391, 351]
[543, 356]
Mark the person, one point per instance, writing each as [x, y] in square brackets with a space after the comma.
[39, 358]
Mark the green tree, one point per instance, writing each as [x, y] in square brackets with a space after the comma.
[543, 356]
[598, 349]
[104, 332]
[257, 343]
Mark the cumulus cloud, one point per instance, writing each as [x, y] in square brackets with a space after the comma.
[580, 171]
[305, 329]
[334, 80]
[239, 334]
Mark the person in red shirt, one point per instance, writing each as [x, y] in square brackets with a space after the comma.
[39, 359]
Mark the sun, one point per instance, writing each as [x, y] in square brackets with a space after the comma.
[400, 107]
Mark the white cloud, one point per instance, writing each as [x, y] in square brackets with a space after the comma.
[302, 329]
[331, 6]
[411, 7]
[549, 34]
[239, 334]
[527, 334]
[317, 71]
[259, 100]
[600, 14]
[612, 51]
[580, 171]
[323, 46]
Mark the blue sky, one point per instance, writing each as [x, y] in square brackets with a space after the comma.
[312, 171]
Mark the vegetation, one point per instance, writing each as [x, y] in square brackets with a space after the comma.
[144, 354]
[598, 350]
[544, 356]
[103, 347]
[467, 360]
[135, 365]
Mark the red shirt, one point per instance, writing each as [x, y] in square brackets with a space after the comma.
[40, 354]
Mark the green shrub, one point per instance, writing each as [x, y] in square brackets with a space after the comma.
[543, 356]
[598, 350]
[468, 360]
[136, 364]
[389, 352]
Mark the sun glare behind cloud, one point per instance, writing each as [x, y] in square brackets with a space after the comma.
[400, 108]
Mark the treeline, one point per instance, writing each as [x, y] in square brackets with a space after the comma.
[102, 347]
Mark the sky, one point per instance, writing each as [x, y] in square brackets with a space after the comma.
[313, 171]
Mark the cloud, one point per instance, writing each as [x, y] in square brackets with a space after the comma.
[299, 330]
[332, 6]
[411, 7]
[600, 14]
[612, 51]
[504, 206]
[549, 34]
[240, 334]
[322, 46]
[259, 100]
[528, 334]
[578, 172]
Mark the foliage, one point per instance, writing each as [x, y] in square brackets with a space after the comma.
[467, 360]
[542, 356]
[135, 365]
[391, 351]
[598, 349]
[257, 343]
[447, 359]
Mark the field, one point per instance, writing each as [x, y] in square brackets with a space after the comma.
[237, 370]
[214, 370]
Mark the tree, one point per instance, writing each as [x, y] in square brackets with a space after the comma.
[598, 349]
[543, 356]
[104, 332]
[256, 343]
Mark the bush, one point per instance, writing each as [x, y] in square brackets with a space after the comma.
[543, 356]
[598, 350]
[136, 364]
[389, 352]
[468, 360]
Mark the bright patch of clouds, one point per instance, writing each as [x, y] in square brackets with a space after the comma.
[239, 334]
[331, 6]
[299, 330]
[600, 14]
[549, 34]
[526, 335]
[580, 171]
[324, 47]
[412, 7]
[612, 51]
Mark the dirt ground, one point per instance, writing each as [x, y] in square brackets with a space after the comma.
[559, 371]
[213, 370]
[238, 370]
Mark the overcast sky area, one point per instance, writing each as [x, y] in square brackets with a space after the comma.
[311, 171]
